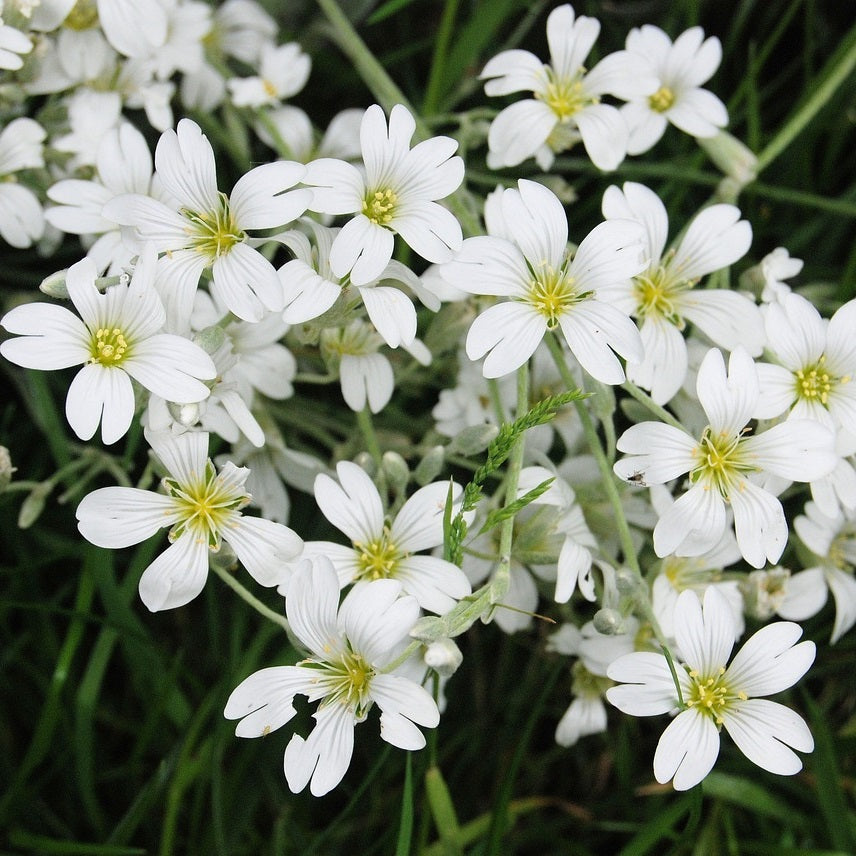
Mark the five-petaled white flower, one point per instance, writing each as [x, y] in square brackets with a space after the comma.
[663, 299]
[716, 696]
[118, 338]
[207, 229]
[681, 68]
[396, 195]
[566, 106]
[383, 549]
[345, 671]
[721, 464]
[201, 507]
[529, 264]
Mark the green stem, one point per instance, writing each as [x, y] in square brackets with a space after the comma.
[649, 404]
[249, 598]
[837, 71]
[364, 420]
[388, 95]
[444, 34]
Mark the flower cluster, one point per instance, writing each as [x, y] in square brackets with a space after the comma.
[226, 325]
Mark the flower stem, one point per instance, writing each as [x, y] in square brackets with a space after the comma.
[837, 71]
[649, 404]
[364, 420]
[250, 598]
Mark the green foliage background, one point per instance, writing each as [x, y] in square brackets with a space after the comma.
[112, 739]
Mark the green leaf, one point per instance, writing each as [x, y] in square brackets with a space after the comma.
[443, 811]
[405, 827]
[499, 514]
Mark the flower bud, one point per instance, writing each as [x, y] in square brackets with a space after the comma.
[734, 158]
[444, 657]
[473, 440]
[210, 339]
[608, 621]
[764, 591]
[396, 471]
[6, 468]
[429, 467]
[184, 414]
[54, 285]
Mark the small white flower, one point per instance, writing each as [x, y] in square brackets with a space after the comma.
[546, 287]
[833, 541]
[201, 507]
[680, 68]
[663, 298]
[283, 72]
[397, 195]
[715, 696]
[386, 549]
[13, 45]
[721, 464]
[566, 106]
[207, 229]
[349, 647]
[118, 338]
[776, 267]
[21, 147]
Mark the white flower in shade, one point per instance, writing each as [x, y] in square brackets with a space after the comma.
[366, 376]
[241, 29]
[206, 229]
[715, 695]
[723, 465]
[283, 72]
[349, 648]
[566, 106]
[545, 287]
[662, 298]
[311, 288]
[816, 364]
[386, 549]
[124, 165]
[21, 147]
[13, 45]
[133, 29]
[117, 337]
[397, 195]
[91, 115]
[340, 140]
[833, 542]
[774, 268]
[202, 508]
[681, 68]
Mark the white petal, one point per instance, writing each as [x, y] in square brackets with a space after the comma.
[799, 450]
[96, 388]
[259, 199]
[436, 584]
[263, 547]
[312, 604]
[805, 595]
[716, 238]
[763, 730]
[728, 401]
[660, 453]
[728, 319]
[354, 507]
[184, 161]
[324, 757]
[246, 281]
[361, 248]
[263, 701]
[604, 134]
[397, 694]
[429, 229]
[647, 687]
[52, 337]
[843, 588]
[769, 661]
[520, 130]
[176, 576]
[115, 517]
[376, 618]
[687, 750]
[392, 314]
[664, 367]
[705, 634]
[169, 366]
[510, 332]
[692, 525]
[419, 524]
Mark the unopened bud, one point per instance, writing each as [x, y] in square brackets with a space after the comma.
[54, 285]
[764, 591]
[473, 440]
[210, 339]
[608, 621]
[6, 468]
[628, 582]
[444, 657]
[184, 414]
[429, 467]
[396, 471]
[33, 505]
[365, 461]
[734, 158]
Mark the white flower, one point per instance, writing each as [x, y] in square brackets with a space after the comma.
[547, 288]
[663, 299]
[118, 338]
[384, 549]
[721, 463]
[681, 68]
[21, 147]
[206, 229]
[775, 267]
[283, 72]
[124, 165]
[833, 541]
[715, 696]
[567, 104]
[816, 364]
[396, 196]
[345, 672]
[13, 43]
[91, 115]
[340, 140]
[201, 507]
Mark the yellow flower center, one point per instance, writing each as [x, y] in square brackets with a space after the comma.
[586, 684]
[656, 292]
[684, 572]
[83, 16]
[378, 558]
[815, 383]
[205, 507]
[722, 464]
[108, 347]
[552, 292]
[564, 95]
[213, 233]
[379, 206]
[711, 695]
[661, 100]
[269, 88]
